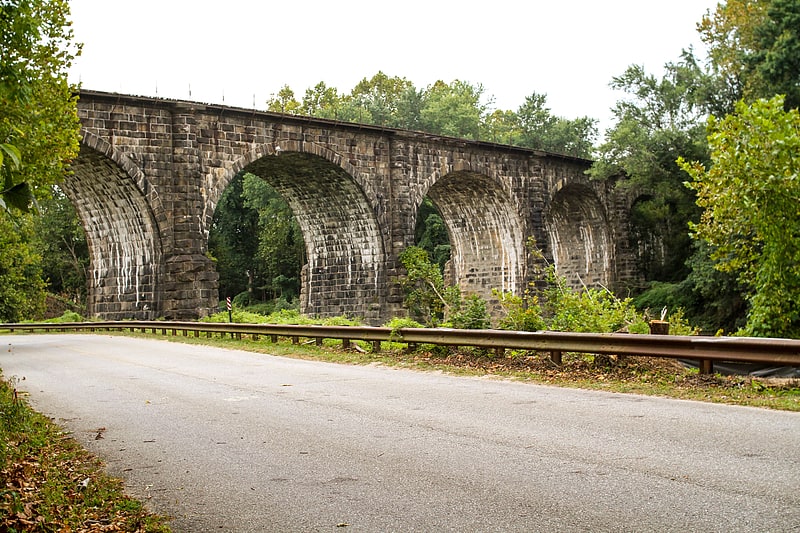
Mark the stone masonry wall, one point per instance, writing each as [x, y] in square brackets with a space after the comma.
[152, 172]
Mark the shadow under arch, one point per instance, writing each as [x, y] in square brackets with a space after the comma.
[486, 236]
[121, 231]
[345, 272]
[580, 237]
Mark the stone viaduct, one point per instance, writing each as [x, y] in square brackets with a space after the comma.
[150, 173]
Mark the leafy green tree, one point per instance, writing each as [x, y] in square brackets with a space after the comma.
[381, 98]
[256, 242]
[284, 102]
[776, 62]
[39, 134]
[502, 127]
[455, 109]
[751, 218]
[61, 241]
[539, 129]
[233, 242]
[431, 233]
[39, 127]
[754, 45]
[427, 296]
[281, 249]
[22, 288]
[660, 121]
[322, 101]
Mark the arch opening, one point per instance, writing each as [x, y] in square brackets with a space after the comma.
[344, 270]
[487, 249]
[258, 246]
[580, 238]
[122, 236]
[431, 235]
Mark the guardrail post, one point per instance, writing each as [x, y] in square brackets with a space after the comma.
[295, 340]
[706, 366]
[555, 357]
[345, 343]
[273, 339]
[376, 346]
[318, 341]
[659, 327]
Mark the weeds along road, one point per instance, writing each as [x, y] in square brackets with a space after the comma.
[234, 441]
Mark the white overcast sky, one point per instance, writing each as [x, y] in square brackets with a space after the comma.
[237, 52]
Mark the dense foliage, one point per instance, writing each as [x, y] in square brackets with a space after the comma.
[39, 128]
[21, 284]
[753, 53]
[257, 244]
[39, 134]
[456, 109]
[751, 200]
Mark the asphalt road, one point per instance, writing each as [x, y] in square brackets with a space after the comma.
[233, 441]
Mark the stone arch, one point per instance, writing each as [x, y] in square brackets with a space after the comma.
[580, 236]
[485, 231]
[121, 232]
[345, 272]
[216, 182]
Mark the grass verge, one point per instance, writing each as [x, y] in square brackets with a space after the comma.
[50, 483]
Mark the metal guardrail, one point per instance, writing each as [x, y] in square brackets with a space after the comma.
[706, 350]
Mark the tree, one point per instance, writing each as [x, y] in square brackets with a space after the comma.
[39, 127]
[502, 127]
[750, 196]
[281, 249]
[454, 109]
[233, 243]
[284, 102]
[61, 241]
[427, 296]
[755, 46]
[323, 102]
[660, 121]
[256, 242]
[541, 130]
[380, 98]
[22, 288]
[39, 134]
[431, 235]
[776, 61]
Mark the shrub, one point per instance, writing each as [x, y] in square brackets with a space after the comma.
[471, 314]
[522, 313]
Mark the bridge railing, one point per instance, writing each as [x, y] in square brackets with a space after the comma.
[705, 350]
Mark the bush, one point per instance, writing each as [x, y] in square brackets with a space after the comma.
[402, 322]
[239, 316]
[471, 314]
[244, 299]
[68, 316]
[522, 312]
